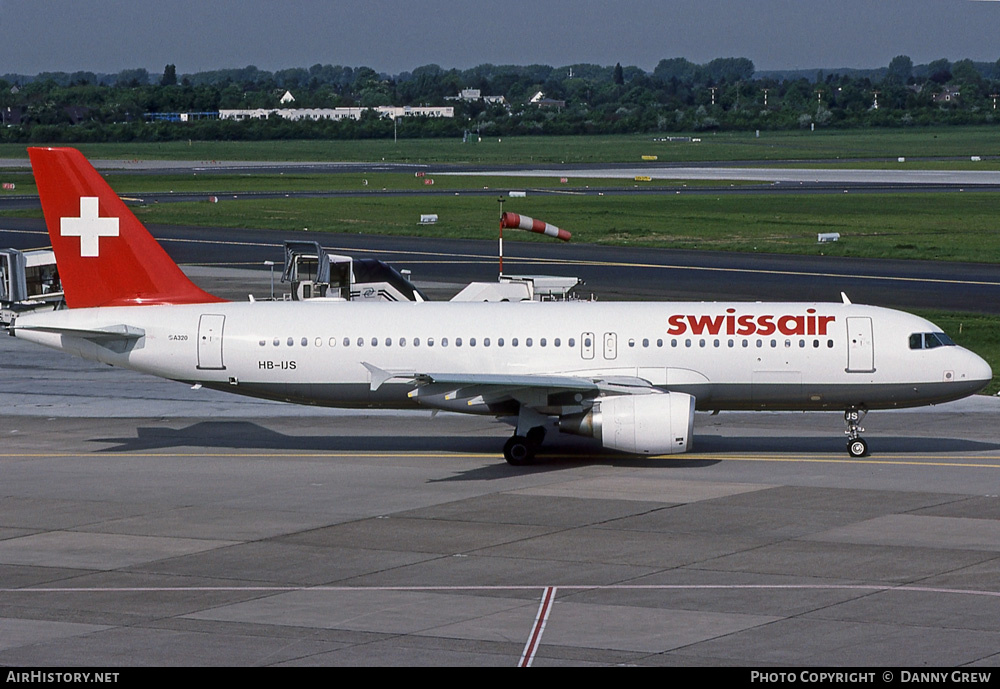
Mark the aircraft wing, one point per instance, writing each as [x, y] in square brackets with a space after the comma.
[532, 390]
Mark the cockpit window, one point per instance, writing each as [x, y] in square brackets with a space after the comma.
[930, 340]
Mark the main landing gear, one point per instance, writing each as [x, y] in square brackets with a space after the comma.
[520, 449]
[856, 445]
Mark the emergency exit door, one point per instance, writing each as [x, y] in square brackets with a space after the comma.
[210, 328]
[610, 346]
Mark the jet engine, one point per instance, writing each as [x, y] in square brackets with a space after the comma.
[657, 424]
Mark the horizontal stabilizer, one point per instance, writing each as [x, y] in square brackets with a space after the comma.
[99, 335]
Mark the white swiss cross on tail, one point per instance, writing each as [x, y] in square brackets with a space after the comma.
[88, 227]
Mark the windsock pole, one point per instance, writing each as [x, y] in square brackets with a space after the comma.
[501, 235]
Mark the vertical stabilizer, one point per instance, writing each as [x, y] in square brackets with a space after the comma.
[104, 255]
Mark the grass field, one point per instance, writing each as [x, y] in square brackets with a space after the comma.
[959, 142]
[945, 226]
[949, 226]
[954, 226]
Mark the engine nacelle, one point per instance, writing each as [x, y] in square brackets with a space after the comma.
[658, 424]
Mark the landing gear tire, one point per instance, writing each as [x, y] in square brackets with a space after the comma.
[857, 447]
[519, 451]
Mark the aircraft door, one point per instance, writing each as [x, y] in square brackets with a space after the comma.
[210, 328]
[587, 345]
[610, 345]
[860, 346]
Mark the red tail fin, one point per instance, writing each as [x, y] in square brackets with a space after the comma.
[104, 255]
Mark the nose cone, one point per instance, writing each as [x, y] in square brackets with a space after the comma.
[975, 373]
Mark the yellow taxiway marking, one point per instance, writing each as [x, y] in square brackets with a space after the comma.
[981, 462]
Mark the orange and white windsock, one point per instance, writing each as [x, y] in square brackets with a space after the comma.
[523, 222]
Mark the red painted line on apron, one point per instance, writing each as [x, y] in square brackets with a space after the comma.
[541, 617]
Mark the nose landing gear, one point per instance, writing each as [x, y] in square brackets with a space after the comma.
[856, 445]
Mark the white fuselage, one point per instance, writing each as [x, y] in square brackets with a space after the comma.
[727, 355]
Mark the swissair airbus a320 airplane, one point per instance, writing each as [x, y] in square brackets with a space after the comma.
[629, 375]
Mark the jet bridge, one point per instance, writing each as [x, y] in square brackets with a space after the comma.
[29, 281]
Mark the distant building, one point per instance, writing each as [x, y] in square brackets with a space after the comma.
[180, 116]
[541, 101]
[473, 95]
[287, 98]
[296, 114]
[949, 94]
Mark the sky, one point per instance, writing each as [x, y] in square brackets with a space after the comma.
[393, 36]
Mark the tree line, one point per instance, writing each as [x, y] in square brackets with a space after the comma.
[677, 96]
